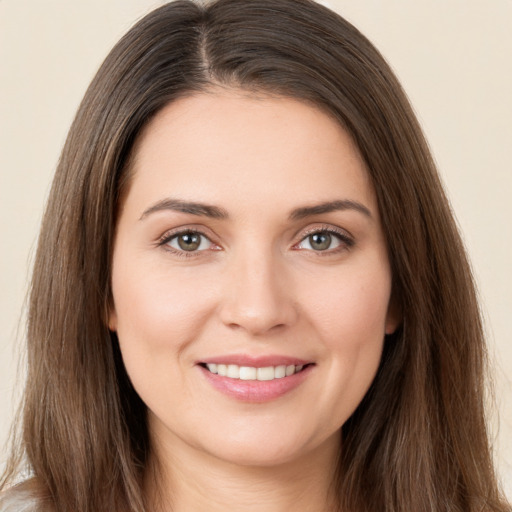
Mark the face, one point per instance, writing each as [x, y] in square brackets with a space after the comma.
[250, 279]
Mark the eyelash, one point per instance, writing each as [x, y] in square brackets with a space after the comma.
[169, 236]
[346, 242]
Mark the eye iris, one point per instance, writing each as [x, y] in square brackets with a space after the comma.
[189, 241]
[320, 241]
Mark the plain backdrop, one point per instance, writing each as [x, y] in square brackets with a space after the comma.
[454, 58]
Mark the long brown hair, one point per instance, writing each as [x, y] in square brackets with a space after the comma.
[418, 441]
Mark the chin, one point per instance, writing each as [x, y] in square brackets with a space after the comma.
[268, 456]
[266, 449]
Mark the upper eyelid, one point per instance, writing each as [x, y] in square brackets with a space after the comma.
[164, 243]
[174, 232]
[298, 237]
[308, 231]
[347, 241]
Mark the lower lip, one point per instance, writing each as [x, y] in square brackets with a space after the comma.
[255, 390]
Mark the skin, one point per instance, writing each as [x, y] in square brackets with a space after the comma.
[257, 285]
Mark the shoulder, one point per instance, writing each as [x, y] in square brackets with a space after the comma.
[17, 500]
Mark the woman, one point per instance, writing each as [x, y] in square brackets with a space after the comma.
[249, 289]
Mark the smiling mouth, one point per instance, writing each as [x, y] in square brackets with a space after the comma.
[266, 373]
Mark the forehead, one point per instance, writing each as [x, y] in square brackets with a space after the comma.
[229, 145]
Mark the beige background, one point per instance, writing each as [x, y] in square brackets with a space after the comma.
[454, 58]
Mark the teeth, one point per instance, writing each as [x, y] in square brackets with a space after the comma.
[212, 367]
[266, 373]
[280, 372]
[247, 373]
[234, 371]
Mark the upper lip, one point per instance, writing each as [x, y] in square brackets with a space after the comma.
[255, 361]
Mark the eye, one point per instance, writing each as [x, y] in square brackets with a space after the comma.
[324, 240]
[188, 241]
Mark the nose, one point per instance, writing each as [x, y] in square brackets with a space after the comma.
[259, 295]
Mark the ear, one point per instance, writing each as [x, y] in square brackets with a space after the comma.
[112, 319]
[393, 317]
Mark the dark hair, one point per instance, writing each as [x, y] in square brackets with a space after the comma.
[418, 440]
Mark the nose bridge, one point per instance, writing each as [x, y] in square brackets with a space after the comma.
[257, 298]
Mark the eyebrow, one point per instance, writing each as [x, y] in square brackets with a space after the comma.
[215, 212]
[190, 207]
[328, 207]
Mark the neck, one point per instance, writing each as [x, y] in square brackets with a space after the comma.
[191, 481]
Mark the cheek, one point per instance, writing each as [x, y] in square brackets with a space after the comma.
[158, 316]
[350, 318]
[156, 306]
[351, 308]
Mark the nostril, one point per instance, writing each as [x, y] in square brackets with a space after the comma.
[234, 325]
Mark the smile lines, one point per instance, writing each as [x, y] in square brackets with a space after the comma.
[234, 371]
